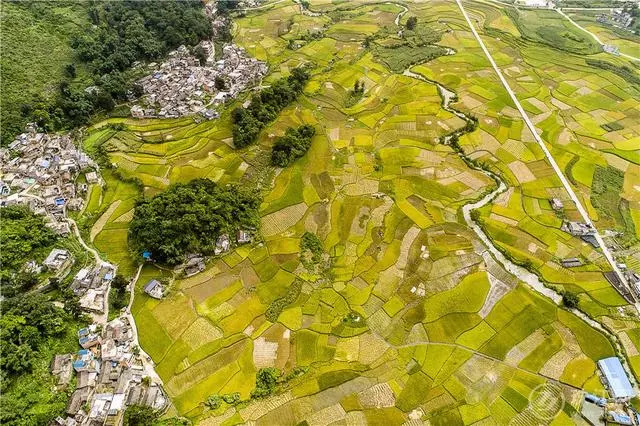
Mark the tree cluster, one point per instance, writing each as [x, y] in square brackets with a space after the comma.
[293, 145]
[123, 33]
[27, 322]
[265, 106]
[269, 379]
[22, 234]
[412, 22]
[119, 295]
[189, 218]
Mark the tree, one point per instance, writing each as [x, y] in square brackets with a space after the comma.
[219, 83]
[412, 22]
[70, 70]
[264, 107]
[293, 145]
[570, 300]
[140, 415]
[189, 218]
[266, 382]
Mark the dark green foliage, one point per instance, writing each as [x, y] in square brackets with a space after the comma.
[266, 381]
[28, 397]
[119, 295]
[231, 398]
[265, 106]
[70, 70]
[26, 322]
[625, 72]
[293, 145]
[219, 83]
[269, 379]
[128, 31]
[23, 236]
[140, 415]
[412, 22]
[277, 306]
[355, 94]
[189, 218]
[570, 300]
[213, 402]
[311, 249]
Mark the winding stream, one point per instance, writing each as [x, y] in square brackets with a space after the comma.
[531, 279]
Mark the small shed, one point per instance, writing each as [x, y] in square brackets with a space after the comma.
[154, 289]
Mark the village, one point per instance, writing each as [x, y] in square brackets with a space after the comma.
[41, 171]
[183, 86]
[51, 176]
[110, 375]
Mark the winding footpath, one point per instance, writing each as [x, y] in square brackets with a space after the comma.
[565, 183]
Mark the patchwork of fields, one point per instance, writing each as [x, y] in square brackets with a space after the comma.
[411, 317]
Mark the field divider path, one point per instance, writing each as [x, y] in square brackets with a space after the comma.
[547, 153]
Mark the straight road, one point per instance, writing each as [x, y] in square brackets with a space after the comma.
[583, 212]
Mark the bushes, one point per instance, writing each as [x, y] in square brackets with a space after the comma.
[277, 306]
[293, 145]
[621, 71]
[189, 218]
[265, 106]
[23, 235]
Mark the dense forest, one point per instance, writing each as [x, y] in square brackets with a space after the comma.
[293, 145]
[32, 327]
[119, 35]
[23, 237]
[189, 218]
[265, 106]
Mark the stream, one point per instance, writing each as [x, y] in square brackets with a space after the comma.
[531, 279]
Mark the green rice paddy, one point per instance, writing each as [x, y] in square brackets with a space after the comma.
[412, 317]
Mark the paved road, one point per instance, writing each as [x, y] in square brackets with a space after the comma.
[595, 37]
[552, 161]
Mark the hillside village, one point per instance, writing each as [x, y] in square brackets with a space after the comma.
[182, 86]
[50, 175]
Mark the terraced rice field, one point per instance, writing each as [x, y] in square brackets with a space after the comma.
[411, 318]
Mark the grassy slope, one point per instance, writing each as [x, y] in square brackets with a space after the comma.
[35, 47]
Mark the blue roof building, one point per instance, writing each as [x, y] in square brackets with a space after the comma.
[616, 377]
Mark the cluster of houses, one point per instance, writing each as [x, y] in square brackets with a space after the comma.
[599, 410]
[40, 170]
[182, 86]
[620, 18]
[583, 230]
[92, 285]
[110, 376]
